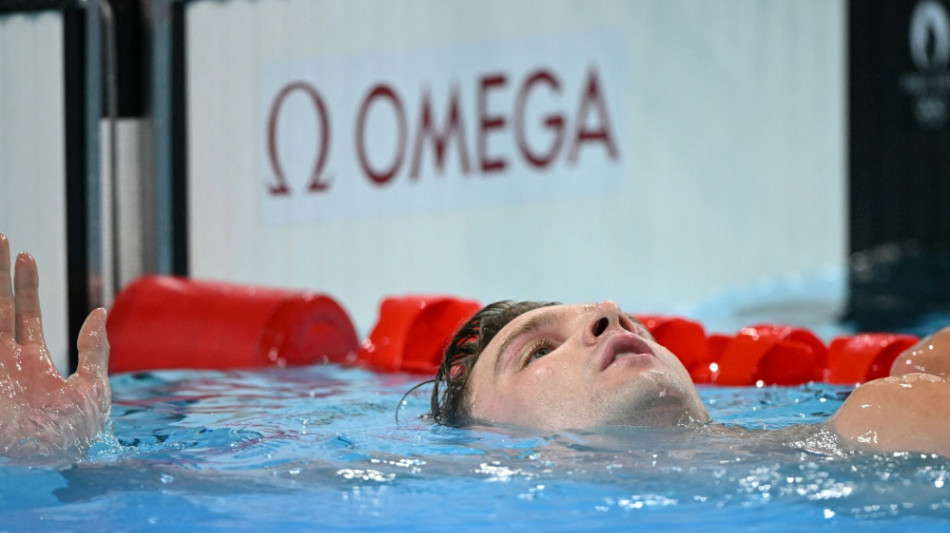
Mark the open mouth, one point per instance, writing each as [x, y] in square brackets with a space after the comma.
[626, 347]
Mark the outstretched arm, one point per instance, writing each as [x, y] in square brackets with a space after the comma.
[42, 414]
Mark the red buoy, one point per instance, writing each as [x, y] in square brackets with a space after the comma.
[860, 358]
[163, 322]
[772, 354]
[413, 331]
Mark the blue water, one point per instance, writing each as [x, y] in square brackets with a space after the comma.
[319, 449]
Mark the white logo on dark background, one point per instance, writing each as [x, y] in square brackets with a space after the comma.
[929, 39]
[930, 36]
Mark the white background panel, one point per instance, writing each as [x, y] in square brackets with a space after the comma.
[732, 134]
[33, 185]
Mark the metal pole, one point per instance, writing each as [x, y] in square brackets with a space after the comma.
[93, 182]
[161, 130]
[110, 221]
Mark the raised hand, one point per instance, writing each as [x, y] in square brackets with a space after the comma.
[41, 413]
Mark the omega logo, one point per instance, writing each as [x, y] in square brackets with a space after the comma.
[315, 182]
[564, 131]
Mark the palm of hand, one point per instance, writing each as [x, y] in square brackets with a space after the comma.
[41, 413]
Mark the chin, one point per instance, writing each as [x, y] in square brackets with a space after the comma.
[658, 400]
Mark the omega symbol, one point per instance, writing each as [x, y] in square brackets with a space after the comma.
[317, 181]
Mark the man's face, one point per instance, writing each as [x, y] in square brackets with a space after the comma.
[577, 366]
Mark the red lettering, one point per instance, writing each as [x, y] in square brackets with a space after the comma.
[452, 127]
[489, 122]
[599, 133]
[323, 150]
[383, 91]
[554, 122]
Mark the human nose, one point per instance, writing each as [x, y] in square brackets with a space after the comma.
[605, 316]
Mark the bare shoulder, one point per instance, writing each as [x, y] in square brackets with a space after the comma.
[910, 412]
[931, 355]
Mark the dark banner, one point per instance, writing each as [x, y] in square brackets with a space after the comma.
[899, 104]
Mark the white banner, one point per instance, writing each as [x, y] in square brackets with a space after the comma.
[434, 129]
[651, 152]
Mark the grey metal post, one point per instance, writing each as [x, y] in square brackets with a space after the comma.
[93, 183]
[161, 238]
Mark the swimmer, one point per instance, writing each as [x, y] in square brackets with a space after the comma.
[556, 367]
[545, 366]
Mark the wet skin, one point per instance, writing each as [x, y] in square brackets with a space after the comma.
[577, 366]
[581, 366]
[43, 414]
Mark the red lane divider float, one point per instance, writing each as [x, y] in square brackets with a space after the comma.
[864, 357]
[161, 322]
[413, 332]
[166, 322]
[773, 355]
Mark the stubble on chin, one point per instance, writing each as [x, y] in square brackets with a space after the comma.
[653, 399]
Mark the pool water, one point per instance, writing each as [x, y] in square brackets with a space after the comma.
[318, 448]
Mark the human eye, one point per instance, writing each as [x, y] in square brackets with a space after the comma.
[537, 350]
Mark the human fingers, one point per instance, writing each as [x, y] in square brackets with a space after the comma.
[26, 283]
[6, 289]
[93, 345]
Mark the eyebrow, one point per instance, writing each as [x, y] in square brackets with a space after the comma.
[542, 320]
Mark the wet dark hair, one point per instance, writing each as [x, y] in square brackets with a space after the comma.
[450, 391]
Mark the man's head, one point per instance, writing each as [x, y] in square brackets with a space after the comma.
[561, 366]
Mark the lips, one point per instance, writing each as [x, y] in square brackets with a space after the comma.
[625, 345]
